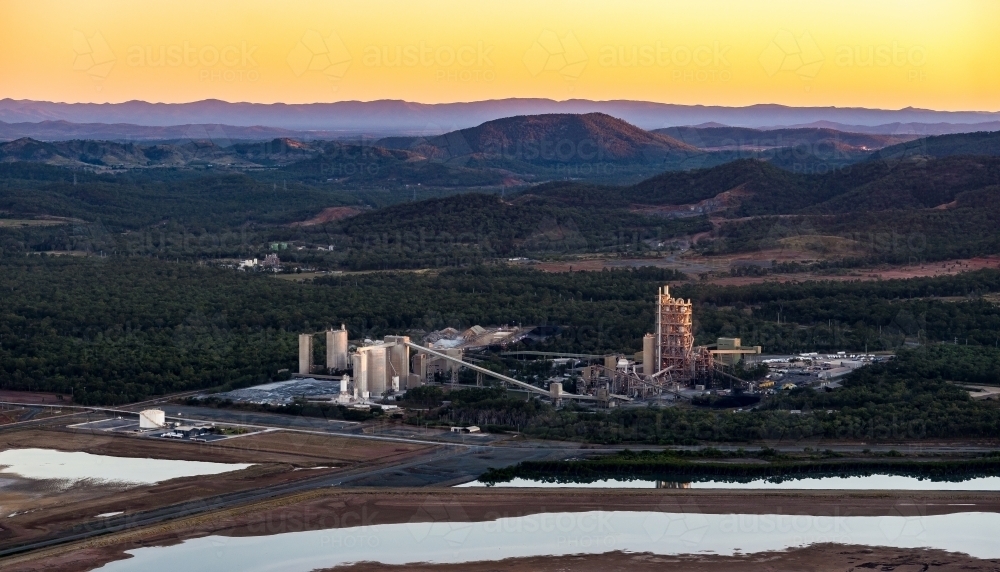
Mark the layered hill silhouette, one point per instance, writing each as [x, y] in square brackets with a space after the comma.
[722, 137]
[521, 150]
[113, 155]
[753, 187]
[549, 140]
[404, 117]
[978, 143]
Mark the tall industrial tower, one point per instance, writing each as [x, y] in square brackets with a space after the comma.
[675, 340]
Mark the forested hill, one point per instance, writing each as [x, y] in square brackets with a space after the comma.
[223, 201]
[914, 183]
[763, 189]
[813, 137]
[551, 139]
[979, 143]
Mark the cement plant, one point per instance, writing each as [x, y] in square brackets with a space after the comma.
[376, 373]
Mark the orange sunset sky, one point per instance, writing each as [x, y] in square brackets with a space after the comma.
[888, 54]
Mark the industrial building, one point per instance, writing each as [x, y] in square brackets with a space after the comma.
[669, 360]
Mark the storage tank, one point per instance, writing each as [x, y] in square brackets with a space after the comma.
[152, 419]
[305, 353]
[419, 367]
[360, 373]
[336, 349]
[648, 354]
[399, 357]
[377, 370]
[610, 362]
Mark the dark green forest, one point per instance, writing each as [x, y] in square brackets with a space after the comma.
[889, 210]
[904, 399]
[113, 330]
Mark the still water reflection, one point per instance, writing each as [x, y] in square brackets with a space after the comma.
[852, 483]
[565, 533]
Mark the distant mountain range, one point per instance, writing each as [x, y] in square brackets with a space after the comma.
[721, 137]
[387, 117]
[100, 155]
[509, 151]
[912, 128]
[62, 130]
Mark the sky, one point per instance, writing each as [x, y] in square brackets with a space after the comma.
[935, 54]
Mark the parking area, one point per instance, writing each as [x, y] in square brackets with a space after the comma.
[199, 433]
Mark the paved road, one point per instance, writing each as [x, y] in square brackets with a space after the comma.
[444, 465]
[100, 527]
[418, 435]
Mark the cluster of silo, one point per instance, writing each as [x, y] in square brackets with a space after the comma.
[382, 368]
[336, 351]
[379, 368]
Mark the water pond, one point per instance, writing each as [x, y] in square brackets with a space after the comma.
[552, 534]
[73, 467]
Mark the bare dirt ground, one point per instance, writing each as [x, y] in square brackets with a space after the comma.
[338, 508]
[21, 223]
[329, 214]
[815, 558]
[299, 449]
[713, 265]
[34, 397]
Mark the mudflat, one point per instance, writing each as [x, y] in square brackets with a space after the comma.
[340, 508]
[815, 558]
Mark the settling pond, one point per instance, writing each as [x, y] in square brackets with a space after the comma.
[69, 468]
[553, 534]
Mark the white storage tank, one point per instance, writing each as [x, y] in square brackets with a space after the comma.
[152, 419]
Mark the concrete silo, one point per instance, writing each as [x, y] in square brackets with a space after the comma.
[377, 370]
[649, 355]
[399, 358]
[305, 353]
[336, 349]
[360, 365]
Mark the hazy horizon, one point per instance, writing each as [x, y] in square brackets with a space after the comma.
[886, 55]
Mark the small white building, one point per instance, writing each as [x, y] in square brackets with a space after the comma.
[469, 429]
